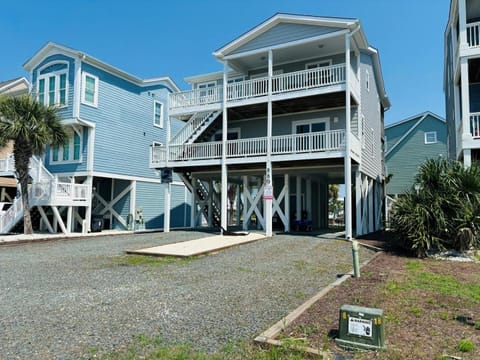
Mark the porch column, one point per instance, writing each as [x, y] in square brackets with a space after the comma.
[287, 202]
[224, 180]
[298, 199]
[467, 157]
[166, 217]
[347, 170]
[370, 205]
[462, 24]
[245, 202]
[466, 135]
[308, 200]
[133, 204]
[358, 202]
[239, 201]
[268, 177]
[193, 209]
[88, 209]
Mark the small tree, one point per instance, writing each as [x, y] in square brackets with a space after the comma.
[32, 126]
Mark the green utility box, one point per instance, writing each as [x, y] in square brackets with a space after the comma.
[361, 328]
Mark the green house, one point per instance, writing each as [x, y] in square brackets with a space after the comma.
[408, 144]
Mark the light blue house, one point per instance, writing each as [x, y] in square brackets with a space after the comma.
[298, 105]
[102, 171]
[408, 144]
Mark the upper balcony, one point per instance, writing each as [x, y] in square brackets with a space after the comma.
[325, 79]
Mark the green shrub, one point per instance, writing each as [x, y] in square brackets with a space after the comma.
[465, 345]
[442, 212]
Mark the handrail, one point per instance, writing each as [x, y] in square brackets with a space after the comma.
[9, 216]
[473, 34]
[331, 140]
[195, 122]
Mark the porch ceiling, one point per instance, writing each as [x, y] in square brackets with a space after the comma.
[301, 104]
[328, 170]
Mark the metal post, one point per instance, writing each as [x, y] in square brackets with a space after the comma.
[356, 263]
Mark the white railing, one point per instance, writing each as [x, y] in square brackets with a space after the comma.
[311, 142]
[473, 34]
[195, 97]
[8, 217]
[7, 164]
[247, 147]
[282, 83]
[475, 124]
[196, 121]
[38, 171]
[247, 89]
[195, 151]
[306, 79]
[285, 144]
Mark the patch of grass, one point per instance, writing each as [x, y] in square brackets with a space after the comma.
[444, 315]
[300, 265]
[416, 311]
[465, 345]
[299, 295]
[394, 286]
[393, 318]
[477, 325]
[151, 261]
[244, 269]
[445, 285]
[414, 265]
[153, 348]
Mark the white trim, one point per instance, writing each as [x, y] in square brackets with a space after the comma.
[56, 75]
[434, 133]
[160, 124]
[325, 120]
[415, 117]
[405, 135]
[12, 83]
[84, 88]
[77, 86]
[52, 47]
[71, 149]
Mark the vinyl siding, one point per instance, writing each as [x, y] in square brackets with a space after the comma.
[403, 161]
[69, 167]
[150, 197]
[124, 124]
[371, 160]
[395, 133]
[284, 33]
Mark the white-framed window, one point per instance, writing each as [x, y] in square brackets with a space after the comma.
[430, 137]
[308, 126]
[157, 113]
[318, 64]
[367, 80]
[71, 151]
[89, 89]
[52, 85]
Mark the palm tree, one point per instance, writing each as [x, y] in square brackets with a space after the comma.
[32, 126]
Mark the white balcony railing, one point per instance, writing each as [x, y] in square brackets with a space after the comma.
[475, 125]
[473, 34]
[333, 140]
[7, 164]
[282, 83]
[8, 217]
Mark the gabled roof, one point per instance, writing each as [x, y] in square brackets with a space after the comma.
[346, 23]
[52, 47]
[21, 83]
[415, 122]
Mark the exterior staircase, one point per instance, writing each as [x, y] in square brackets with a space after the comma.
[203, 194]
[44, 190]
[197, 124]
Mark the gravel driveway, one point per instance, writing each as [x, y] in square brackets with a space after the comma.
[61, 299]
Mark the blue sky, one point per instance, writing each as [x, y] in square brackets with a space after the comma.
[151, 38]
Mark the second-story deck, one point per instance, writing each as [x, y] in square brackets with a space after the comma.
[315, 145]
[287, 85]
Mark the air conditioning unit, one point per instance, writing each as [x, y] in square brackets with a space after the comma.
[361, 328]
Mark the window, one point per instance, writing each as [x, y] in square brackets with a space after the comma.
[157, 113]
[431, 137]
[52, 85]
[71, 151]
[89, 89]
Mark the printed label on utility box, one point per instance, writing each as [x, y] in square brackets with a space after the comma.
[360, 327]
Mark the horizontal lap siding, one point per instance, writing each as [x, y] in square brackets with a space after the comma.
[283, 33]
[404, 160]
[371, 159]
[151, 197]
[124, 124]
[394, 134]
